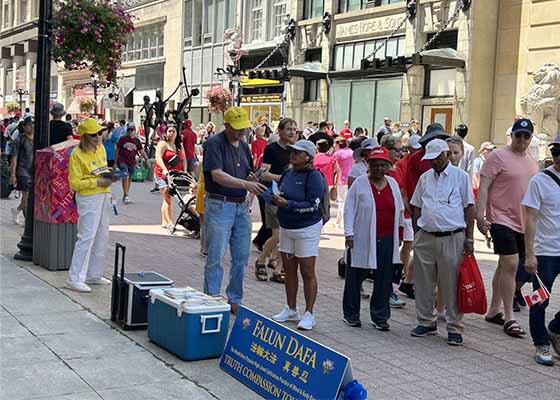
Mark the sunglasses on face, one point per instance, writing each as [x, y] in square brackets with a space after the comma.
[95, 134]
[555, 151]
[524, 135]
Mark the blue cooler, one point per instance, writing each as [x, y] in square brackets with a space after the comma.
[188, 323]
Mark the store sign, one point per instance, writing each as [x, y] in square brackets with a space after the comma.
[370, 26]
[279, 363]
[262, 98]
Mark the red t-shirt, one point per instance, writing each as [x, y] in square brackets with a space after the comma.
[167, 156]
[257, 150]
[345, 133]
[415, 168]
[189, 141]
[384, 210]
[127, 149]
[402, 164]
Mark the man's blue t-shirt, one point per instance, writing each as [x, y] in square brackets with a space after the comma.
[236, 161]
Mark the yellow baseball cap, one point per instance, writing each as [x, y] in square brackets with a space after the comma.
[237, 118]
[90, 126]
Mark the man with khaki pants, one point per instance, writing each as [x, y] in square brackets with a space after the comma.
[443, 220]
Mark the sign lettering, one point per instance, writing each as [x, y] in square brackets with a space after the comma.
[368, 26]
[279, 363]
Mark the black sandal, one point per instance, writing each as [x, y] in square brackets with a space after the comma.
[497, 319]
[513, 329]
[278, 277]
[260, 271]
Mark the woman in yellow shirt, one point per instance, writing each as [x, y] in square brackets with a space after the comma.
[93, 193]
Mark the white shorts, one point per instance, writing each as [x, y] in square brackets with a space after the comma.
[302, 242]
[408, 234]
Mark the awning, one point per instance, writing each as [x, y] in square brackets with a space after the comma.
[311, 70]
[441, 57]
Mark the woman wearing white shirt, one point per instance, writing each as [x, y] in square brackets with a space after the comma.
[373, 212]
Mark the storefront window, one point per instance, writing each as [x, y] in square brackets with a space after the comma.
[364, 103]
[388, 102]
[363, 96]
[441, 82]
[349, 56]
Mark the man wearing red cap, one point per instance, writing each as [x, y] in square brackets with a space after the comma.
[189, 141]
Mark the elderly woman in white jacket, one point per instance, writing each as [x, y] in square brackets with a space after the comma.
[374, 210]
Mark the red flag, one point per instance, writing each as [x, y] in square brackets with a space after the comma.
[537, 297]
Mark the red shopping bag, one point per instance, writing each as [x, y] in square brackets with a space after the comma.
[471, 294]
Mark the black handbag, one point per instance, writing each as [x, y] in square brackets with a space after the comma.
[343, 262]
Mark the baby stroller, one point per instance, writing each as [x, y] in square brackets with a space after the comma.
[180, 187]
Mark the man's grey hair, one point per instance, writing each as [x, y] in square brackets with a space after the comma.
[389, 141]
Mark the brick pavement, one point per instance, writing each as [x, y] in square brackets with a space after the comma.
[391, 364]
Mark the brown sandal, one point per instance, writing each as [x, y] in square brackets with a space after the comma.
[513, 329]
[278, 277]
[260, 272]
[497, 319]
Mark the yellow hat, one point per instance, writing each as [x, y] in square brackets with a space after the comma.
[90, 126]
[237, 118]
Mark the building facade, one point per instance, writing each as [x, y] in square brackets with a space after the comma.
[18, 56]
[478, 71]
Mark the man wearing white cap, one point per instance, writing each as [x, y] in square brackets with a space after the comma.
[443, 219]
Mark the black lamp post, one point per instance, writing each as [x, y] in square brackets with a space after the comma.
[41, 132]
[20, 93]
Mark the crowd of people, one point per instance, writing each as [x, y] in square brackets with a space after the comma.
[408, 204]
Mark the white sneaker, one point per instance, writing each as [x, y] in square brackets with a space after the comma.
[78, 287]
[98, 281]
[307, 322]
[126, 200]
[15, 215]
[287, 314]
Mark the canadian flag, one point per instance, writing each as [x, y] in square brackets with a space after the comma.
[537, 297]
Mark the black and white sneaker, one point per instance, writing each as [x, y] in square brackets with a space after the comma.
[354, 323]
[381, 326]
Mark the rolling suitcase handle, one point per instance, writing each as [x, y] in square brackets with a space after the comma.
[118, 282]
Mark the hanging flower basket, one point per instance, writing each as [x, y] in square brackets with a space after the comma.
[219, 99]
[91, 34]
[12, 107]
[87, 105]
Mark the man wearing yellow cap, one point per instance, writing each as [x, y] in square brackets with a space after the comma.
[228, 175]
[87, 161]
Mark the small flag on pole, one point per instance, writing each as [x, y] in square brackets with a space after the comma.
[537, 296]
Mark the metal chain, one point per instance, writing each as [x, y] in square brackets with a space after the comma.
[393, 33]
[274, 50]
[302, 51]
[460, 6]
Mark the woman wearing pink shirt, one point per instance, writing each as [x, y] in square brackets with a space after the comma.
[344, 157]
[327, 164]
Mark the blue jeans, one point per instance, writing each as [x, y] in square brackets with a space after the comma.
[548, 269]
[226, 224]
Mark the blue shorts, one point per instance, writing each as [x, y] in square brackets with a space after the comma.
[126, 168]
[160, 183]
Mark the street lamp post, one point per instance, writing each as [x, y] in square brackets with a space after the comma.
[95, 85]
[41, 132]
[20, 93]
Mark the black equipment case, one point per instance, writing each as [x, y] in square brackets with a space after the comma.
[131, 292]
